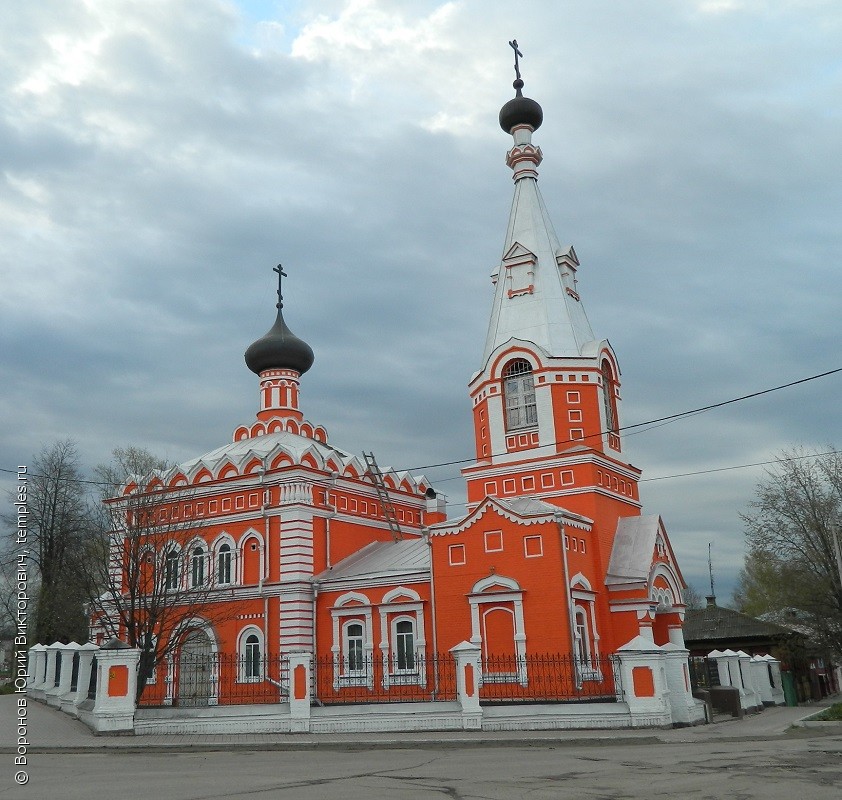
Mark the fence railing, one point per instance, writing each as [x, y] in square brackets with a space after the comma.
[704, 673]
[372, 679]
[217, 679]
[227, 679]
[548, 677]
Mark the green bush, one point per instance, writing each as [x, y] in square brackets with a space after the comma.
[832, 714]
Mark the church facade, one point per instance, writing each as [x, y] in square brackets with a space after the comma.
[297, 546]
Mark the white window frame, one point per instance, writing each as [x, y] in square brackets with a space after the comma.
[499, 591]
[349, 608]
[197, 564]
[245, 657]
[172, 556]
[584, 598]
[402, 604]
[224, 564]
[519, 403]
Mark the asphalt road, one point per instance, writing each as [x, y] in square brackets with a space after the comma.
[806, 767]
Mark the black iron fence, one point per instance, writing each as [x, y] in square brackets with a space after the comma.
[227, 679]
[549, 677]
[704, 673]
[200, 679]
[370, 679]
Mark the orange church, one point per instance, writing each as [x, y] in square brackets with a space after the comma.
[302, 547]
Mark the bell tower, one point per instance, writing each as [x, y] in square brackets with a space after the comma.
[546, 400]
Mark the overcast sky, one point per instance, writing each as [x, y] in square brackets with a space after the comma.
[159, 157]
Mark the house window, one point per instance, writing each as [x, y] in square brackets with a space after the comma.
[223, 564]
[197, 567]
[354, 653]
[404, 645]
[519, 391]
[171, 570]
[251, 665]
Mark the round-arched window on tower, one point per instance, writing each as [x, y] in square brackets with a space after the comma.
[519, 395]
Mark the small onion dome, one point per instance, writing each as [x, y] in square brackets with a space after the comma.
[279, 348]
[520, 110]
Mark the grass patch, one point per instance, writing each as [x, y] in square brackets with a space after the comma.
[832, 714]
[7, 688]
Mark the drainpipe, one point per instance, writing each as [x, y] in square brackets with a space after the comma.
[425, 532]
[569, 594]
[315, 680]
[265, 547]
[332, 512]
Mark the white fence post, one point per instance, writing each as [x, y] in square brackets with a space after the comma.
[300, 691]
[468, 682]
[644, 683]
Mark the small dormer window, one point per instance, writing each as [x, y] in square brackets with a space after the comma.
[519, 393]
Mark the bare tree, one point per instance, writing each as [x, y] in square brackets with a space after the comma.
[58, 527]
[146, 587]
[793, 564]
[693, 598]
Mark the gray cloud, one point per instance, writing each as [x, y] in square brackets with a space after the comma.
[157, 161]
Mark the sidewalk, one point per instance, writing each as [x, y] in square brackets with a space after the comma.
[50, 731]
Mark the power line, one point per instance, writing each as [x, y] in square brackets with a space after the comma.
[740, 466]
[650, 423]
[657, 422]
[714, 469]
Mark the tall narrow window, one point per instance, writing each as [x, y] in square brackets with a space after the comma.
[354, 647]
[197, 567]
[171, 570]
[519, 392]
[583, 644]
[252, 658]
[223, 564]
[405, 645]
[608, 398]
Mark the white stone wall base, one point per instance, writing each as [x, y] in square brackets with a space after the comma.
[395, 717]
[117, 722]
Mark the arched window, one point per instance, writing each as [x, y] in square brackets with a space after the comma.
[404, 645]
[583, 643]
[223, 564]
[197, 567]
[608, 398]
[171, 570]
[354, 653]
[519, 393]
[251, 656]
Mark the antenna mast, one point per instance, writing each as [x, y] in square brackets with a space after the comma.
[710, 571]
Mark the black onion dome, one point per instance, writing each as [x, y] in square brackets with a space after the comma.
[279, 348]
[521, 110]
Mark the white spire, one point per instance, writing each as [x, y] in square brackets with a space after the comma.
[536, 298]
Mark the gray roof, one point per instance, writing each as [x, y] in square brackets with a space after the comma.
[717, 624]
[381, 560]
[631, 555]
